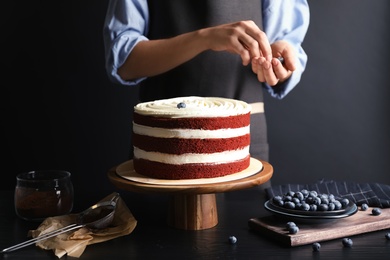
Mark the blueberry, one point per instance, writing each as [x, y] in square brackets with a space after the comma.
[344, 202]
[289, 205]
[299, 195]
[364, 207]
[281, 59]
[324, 196]
[331, 206]
[324, 201]
[337, 205]
[279, 203]
[296, 200]
[316, 246]
[277, 199]
[290, 193]
[323, 207]
[387, 236]
[232, 239]
[347, 242]
[293, 230]
[318, 201]
[376, 211]
[290, 224]
[310, 200]
[305, 207]
[181, 105]
[305, 193]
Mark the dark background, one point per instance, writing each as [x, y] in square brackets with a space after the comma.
[59, 110]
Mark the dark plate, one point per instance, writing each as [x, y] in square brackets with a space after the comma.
[310, 216]
[349, 207]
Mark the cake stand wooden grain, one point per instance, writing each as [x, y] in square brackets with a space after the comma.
[193, 207]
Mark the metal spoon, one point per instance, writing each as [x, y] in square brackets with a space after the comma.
[95, 217]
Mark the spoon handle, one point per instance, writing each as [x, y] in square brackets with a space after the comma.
[42, 237]
[70, 227]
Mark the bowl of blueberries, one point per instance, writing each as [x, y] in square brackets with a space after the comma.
[310, 206]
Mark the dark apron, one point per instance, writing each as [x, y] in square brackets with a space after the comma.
[218, 74]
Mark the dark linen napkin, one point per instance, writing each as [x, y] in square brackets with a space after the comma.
[373, 194]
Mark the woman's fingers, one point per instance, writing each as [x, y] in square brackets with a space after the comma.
[270, 72]
[281, 73]
[243, 38]
[267, 73]
[255, 40]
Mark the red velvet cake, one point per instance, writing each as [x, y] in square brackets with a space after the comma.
[191, 137]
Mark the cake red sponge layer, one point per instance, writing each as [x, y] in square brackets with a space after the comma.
[159, 170]
[206, 123]
[181, 146]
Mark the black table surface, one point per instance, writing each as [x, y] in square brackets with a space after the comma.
[154, 239]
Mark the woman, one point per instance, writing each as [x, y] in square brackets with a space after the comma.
[218, 48]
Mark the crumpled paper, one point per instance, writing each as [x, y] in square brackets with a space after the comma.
[73, 243]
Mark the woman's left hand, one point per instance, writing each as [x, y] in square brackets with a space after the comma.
[274, 72]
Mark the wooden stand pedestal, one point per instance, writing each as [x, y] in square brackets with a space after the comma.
[193, 207]
[193, 212]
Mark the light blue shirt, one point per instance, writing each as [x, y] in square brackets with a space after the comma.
[127, 23]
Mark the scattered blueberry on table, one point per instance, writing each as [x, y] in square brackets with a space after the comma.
[387, 236]
[290, 224]
[347, 242]
[232, 239]
[291, 227]
[316, 246]
[293, 230]
[364, 207]
[376, 211]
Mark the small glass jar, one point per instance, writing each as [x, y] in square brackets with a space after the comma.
[42, 194]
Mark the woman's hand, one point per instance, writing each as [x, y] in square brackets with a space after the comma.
[153, 57]
[274, 72]
[243, 38]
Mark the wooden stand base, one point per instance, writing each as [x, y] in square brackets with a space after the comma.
[193, 212]
[193, 207]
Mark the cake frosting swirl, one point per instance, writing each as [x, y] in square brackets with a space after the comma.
[194, 107]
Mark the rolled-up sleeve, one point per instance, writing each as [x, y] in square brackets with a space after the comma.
[289, 21]
[125, 25]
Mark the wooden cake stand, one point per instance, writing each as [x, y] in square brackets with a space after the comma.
[193, 206]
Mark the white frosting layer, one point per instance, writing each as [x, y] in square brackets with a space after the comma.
[194, 107]
[190, 133]
[217, 158]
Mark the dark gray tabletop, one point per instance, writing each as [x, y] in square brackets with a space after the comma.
[154, 239]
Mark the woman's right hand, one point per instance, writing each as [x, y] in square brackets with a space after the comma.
[153, 57]
[244, 38]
